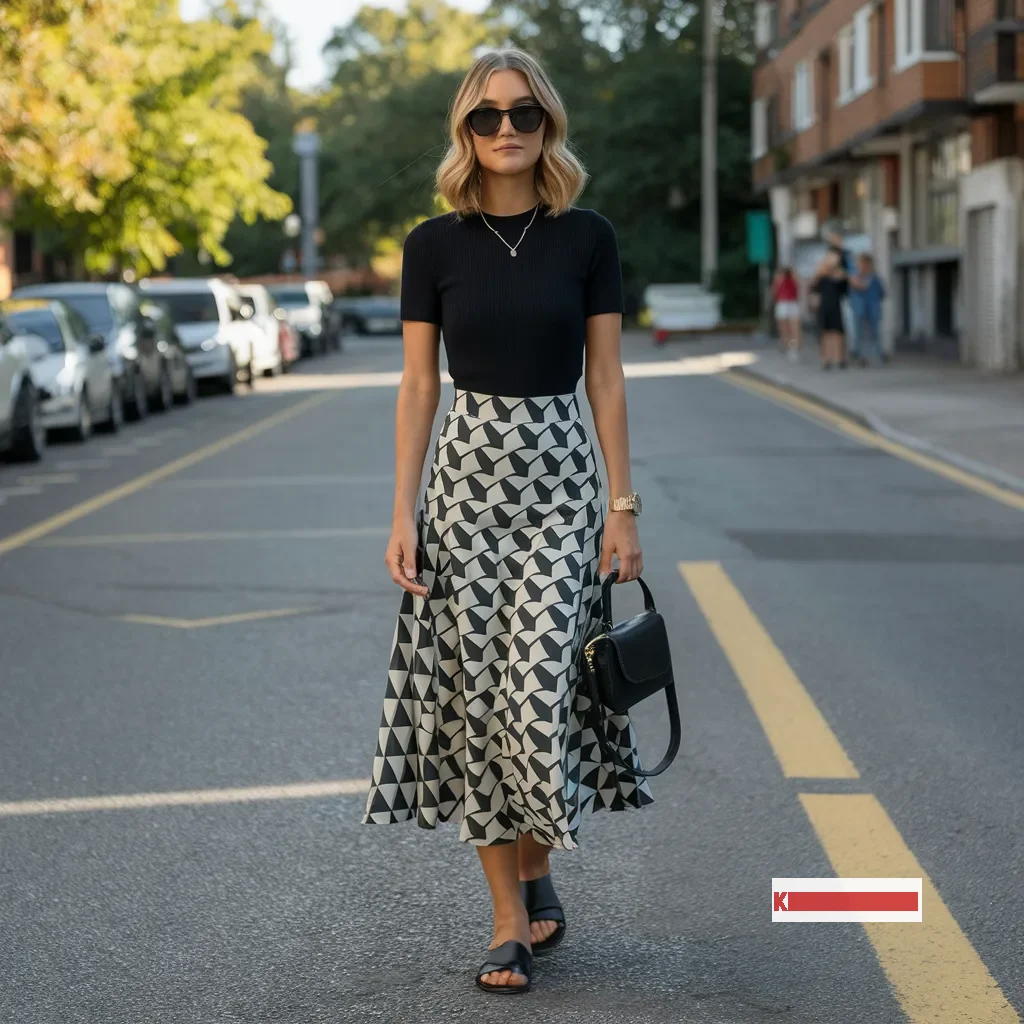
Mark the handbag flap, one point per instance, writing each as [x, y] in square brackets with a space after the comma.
[641, 647]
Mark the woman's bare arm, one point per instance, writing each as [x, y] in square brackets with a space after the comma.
[418, 396]
[606, 391]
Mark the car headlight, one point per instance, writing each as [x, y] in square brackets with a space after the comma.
[210, 344]
[314, 329]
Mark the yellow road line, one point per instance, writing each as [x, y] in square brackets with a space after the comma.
[936, 972]
[62, 519]
[102, 540]
[185, 798]
[802, 740]
[219, 620]
[851, 428]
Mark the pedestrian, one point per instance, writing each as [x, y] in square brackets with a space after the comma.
[785, 296]
[846, 261]
[483, 723]
[830, 287]
[867, 292]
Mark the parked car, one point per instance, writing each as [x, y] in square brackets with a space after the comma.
[306, 304]
[145, 351]
[214, 325]
[69, 366]
[269, 358]
[22, 434]
[369, 314]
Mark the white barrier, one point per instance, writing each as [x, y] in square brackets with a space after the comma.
[683, 307]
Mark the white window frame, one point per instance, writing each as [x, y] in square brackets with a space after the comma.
[763, 25]
[758, 130]
[862, 77]
[803, 96]
[910, 51]
[844, 49]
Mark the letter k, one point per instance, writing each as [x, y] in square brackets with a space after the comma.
[780, 901]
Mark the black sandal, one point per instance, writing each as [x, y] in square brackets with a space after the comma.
[509, 956]
[542, 905]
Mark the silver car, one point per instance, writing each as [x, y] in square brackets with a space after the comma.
[69, 366]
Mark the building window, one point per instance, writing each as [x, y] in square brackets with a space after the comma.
[844, 44]
[758, 130]
[924, 28]
[862, 51]
[803, 97]
[942, 162]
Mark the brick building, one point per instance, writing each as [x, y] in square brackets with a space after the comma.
[903, 122]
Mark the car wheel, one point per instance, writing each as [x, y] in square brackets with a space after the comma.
[188, 396]
[115, 410]
[83, 428]
[28, 435]
[230, 379]
[250, 371]
[165, 393]
[138, 407]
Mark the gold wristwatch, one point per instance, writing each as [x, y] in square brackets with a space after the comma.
[630, 503]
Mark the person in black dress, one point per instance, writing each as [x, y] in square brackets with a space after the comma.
[830, 286]
[483, 722]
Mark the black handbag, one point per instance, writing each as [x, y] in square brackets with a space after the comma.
[626, 663]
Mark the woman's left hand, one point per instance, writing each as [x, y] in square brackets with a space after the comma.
[621, 538]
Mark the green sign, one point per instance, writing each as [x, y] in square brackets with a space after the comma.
[759, 236]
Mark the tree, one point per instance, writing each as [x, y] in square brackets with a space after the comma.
[189, 160]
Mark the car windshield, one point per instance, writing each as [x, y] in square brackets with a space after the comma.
[291, 298]
[189, 307]
[94, 310]
[38, 321]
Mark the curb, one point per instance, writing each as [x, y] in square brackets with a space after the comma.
[879, 426]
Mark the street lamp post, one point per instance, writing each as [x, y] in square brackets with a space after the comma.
[307, 147]
[709, 150]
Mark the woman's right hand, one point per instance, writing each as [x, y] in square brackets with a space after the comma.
[400, 557]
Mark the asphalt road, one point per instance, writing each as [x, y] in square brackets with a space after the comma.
[200, 607]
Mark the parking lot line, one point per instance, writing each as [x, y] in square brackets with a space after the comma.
[103, 540]
[85, 508]
[935, 971]
[185, 798]
[48, 478]
[217, 620]
[802, 740]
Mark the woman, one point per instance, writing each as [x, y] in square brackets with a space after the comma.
[830, 286]
[482, 720]
[785, 295]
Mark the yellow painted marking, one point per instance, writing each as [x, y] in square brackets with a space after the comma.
[934, 969]
[217, 620]
[102, 540]
[48, 478]
[802, 740]
[851, 428]
[185, 798]
[62, 519]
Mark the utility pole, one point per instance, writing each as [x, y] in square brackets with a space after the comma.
[709, 149]
[306, 145]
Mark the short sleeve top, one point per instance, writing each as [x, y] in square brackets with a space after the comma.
[513, 325]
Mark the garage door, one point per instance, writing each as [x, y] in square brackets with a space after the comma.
[981, 272]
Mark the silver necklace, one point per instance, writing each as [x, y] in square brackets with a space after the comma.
[512, 248]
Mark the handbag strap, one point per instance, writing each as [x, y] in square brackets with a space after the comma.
[675, 727]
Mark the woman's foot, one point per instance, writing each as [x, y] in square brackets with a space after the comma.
[533, 864]
[512, 927]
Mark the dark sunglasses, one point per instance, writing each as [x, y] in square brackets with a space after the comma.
[487, 120]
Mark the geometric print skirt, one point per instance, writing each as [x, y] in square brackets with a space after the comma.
[484, 722]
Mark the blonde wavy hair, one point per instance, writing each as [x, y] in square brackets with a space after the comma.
[559, 175]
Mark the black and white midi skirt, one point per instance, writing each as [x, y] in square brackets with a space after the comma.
[483, 722]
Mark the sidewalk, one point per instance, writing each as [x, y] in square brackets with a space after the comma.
[966, 417]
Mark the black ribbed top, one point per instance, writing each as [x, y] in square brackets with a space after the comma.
[512, 326]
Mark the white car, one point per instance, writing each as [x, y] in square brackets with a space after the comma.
[306, 304]
[215, 327]
[22, 434]
[69, 366]
[268, 359]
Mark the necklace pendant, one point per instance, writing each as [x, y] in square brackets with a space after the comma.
[513, 252]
